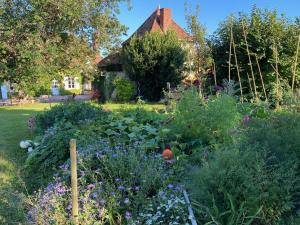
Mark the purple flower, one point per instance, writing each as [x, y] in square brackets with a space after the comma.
[102, 202]
[171, 186]
[117, 179]
[113, 193]
[121, 188]
[64, 167]
[91, 186]
[127, 215]
[94, 195]
[136, 188]
[246, 119]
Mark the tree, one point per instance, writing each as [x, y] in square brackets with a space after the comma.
[43, 39]
[201, 57]
[152, 61]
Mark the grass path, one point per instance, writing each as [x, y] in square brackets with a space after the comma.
[13, 129]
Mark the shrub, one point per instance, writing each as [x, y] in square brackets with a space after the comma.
[152, 61]
[124, 88]
[245, 188]
[72, 112]
[63, 91]
[209, 121]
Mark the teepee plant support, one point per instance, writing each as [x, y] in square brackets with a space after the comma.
[237, 65]
[230, 51]
[250, 62]
[261, 78]
[295, 65]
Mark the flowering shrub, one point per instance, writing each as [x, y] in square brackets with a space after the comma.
[115, 183]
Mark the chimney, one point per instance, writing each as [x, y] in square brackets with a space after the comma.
[165, 19]
[96, 46]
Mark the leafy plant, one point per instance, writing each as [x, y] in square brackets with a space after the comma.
[72, 112]
[152, 61]
[124, 88]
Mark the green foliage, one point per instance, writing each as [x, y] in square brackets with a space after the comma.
[201, 54]
[63, 91]
[42, 39]
[245, 188]
[124, 88]
[254, 180]
[72, 112]
[152, 61]
[278, 133]
[209, 121]
[266, 31]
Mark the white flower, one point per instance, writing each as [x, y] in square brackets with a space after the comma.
[30, 149]
[24, 144]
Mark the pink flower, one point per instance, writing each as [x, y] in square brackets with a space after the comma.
[246, 119]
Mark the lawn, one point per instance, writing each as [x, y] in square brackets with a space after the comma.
[13, 129]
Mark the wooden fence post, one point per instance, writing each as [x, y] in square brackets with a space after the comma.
[74, 181]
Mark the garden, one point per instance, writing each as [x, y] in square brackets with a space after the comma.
[238, 162]
[206, 130]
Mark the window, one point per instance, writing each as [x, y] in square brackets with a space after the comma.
[71, 82]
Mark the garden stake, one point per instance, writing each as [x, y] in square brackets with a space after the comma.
[295, 65]
[250, 62]
[215, 74]
[229, 60]
[237, 67]
[74, 181]
[261, 77]
[250, 85]
[277, 77]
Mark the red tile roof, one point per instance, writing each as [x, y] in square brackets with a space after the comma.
[160, 21]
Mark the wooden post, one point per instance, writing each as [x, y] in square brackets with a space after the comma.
[237, 67]
[229, 60]
[295, 65]
[250, 62]
[277, 76]
[215, 74]
[261, 77]
[250, 85]
[74, 181]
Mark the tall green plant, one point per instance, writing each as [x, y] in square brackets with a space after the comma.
[152, 61]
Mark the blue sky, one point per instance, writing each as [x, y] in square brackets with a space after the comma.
[212, 12]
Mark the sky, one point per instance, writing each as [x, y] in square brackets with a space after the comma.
[212, 12]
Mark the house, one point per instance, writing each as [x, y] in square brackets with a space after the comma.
[159, 21]
[78, 84]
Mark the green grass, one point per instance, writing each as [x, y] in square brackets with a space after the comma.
[13, 129]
